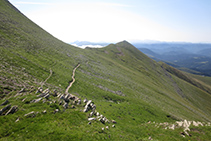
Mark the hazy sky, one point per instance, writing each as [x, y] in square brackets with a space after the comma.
[117, 20]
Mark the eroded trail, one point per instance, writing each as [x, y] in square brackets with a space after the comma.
[73, 79]
[47, 78]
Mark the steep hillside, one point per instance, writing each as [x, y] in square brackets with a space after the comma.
[47, 87]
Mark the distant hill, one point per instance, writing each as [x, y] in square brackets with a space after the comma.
[50, 90]
[194, 57]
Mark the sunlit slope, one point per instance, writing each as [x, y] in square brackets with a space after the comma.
[124, 83]
[141, 78]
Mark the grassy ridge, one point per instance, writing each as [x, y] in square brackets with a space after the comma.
[123, 82]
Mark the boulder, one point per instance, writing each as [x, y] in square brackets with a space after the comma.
[12, 110]
[3, 110]
[47, 96]
[90, 119]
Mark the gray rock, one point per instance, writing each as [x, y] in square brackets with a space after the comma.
[4, 109]
[44, 112]
[31, 114]
[36, 100]
[65, 105]
[90, 119]
[47, 96]
[22, 90]
[12, 110]
[85, 100]
[55, 111]
[113, 121]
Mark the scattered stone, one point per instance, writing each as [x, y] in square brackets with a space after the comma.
[150, 138]
[46, 91]
[179, 123]
[55, 93]
[39, 90]
[97, 114]
[36, 100]
[31, 114]
[47, 96]
[182, 134]
[60, 102]
[4, 109]
[12, 110]
[107, 127]
[65, 105]
[44, 112]
[90, 119]
[85, 100]
[79, 102]
[90, 123]
[73, 107]
[23, 99]
[5, 103]
[55, 111]
[103, 129]
[172, 127]
[22, 90]
[113, 121]
[91, 114]
[17, 119]
[61, 97]
[113, 125]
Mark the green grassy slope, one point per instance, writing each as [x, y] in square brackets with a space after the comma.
[124, 83]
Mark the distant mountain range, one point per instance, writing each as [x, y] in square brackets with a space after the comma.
[191, 57]
[194, 58]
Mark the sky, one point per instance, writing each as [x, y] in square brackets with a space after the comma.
[117, 20]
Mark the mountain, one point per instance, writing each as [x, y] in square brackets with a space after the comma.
[195, 58]
[47, 87]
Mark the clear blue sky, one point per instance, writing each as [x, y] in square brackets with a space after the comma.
[116, 20]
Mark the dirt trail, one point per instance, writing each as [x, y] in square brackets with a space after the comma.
[47, 78]
[73, 79]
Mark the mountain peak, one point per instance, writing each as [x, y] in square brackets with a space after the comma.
[124, 42]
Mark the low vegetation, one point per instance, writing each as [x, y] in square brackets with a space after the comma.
[124, 84]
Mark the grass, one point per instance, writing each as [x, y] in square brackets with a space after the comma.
[149, 91]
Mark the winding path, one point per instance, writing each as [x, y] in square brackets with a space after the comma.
[73, 79]
[47, 78]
